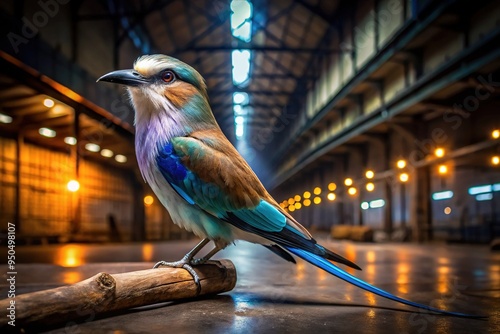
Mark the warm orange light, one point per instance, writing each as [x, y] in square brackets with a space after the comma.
[370, 186]
[147, 252]
[291, 201]
[70, 256]
[495, 160]
[404, 177]
[307, 202]
[291, 208]
[297, 206]
[307, 194]
[447, 210]
[317, 200]
[317, 191]
[442, 169]
[332, 186]
[352, 191]
[72, 276]
[495, 134]
[370, 256]
[401, 164]
[73, 185]
[348, 182]
[148, 200]
[297, 198]
[369, 174]
[331, 197]
[439, 152]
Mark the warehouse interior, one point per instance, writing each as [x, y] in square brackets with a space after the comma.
[373, 123]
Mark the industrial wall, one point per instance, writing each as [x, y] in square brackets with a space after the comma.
[425, 125]
[50, 212]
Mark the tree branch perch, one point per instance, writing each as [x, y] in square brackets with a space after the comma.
[104, 293]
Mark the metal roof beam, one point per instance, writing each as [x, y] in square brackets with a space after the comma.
[257, 48]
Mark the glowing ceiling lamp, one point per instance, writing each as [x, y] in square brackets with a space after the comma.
[46, 132]
[107, 153]
[404, 177]
[148, 200]
[120, 158]
[92, 147]
[70, 140]
[439, 152]
[5, 119]
[49, 103]
[73, 185]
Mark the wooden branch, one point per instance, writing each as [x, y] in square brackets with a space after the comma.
[104, 293]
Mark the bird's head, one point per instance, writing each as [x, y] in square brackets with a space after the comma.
[161, 86]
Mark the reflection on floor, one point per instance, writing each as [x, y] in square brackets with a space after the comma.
[275, 296]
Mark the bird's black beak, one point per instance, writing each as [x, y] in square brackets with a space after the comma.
[125, 77]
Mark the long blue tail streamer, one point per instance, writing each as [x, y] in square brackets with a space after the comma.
[336, 271]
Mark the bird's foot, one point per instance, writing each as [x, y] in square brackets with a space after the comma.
[198, 261]
[186, 264]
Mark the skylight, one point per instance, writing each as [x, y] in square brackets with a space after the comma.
[240, 130]
[241, 20]
[240, 98]
[241, 28]
[241, 66]
[240, 102]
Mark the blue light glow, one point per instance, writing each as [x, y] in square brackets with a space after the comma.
[240, 98]
[239, 119]
[480, 189]
[240, 130]
[378, 203]
[484, 197]
[239, 110]
[442, 195]
[365, 205]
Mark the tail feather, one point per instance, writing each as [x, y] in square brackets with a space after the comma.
[337, 258]
[336, 271]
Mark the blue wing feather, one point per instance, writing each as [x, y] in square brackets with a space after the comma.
[208, 196]
[336, 271]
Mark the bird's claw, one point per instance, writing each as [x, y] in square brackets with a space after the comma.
[184, 263]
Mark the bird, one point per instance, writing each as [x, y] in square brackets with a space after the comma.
[202, 180]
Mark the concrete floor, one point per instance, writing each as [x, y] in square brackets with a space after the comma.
[273, 296]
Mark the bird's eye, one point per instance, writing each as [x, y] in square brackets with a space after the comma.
[168, 76]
